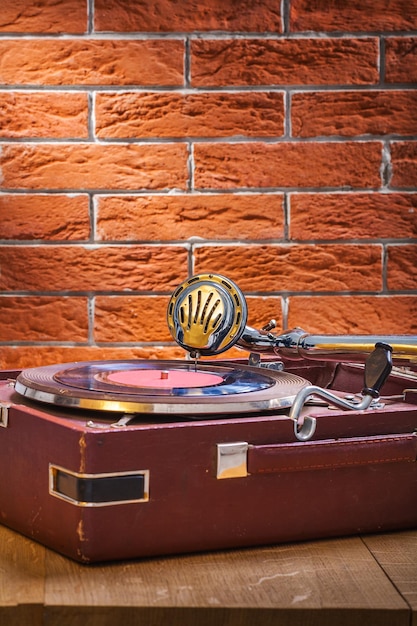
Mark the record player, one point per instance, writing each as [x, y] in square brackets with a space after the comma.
[305, 436]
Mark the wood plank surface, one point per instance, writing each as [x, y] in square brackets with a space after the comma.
[334, 582]
[22, 580]
[396, 553]
[368, 581]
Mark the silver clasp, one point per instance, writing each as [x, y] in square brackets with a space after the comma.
[4, 414]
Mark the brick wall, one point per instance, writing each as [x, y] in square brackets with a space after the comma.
[143, 141]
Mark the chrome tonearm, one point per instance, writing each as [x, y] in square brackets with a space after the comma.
[297, 344]
[207, 315]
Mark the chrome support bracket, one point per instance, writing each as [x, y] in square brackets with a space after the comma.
[378, 367]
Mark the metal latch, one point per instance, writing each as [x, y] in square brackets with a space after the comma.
[232, 460]
[4, 414]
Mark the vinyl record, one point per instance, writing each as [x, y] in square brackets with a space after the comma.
[164, 387]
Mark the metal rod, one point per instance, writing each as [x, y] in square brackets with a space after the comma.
[297, 344]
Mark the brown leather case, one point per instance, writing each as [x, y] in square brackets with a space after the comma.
[95, 492]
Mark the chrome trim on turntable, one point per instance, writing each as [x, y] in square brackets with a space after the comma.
[69, 486]
[244, 389]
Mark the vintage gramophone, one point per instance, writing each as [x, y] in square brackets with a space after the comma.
[305, 436]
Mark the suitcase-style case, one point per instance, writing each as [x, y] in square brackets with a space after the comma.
[97, 488]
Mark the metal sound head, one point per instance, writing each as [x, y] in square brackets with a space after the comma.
[207, 314]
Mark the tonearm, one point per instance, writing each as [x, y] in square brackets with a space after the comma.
[207, 315]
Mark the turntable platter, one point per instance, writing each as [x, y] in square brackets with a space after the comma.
[194, 390]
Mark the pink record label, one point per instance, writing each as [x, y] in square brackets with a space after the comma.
[164, 378]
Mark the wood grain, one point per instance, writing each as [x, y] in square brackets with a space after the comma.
[397, 556]
[315, 581]
[22, 579]
[369, 581]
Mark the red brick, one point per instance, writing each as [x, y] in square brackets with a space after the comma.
[122, 319]
[43, 16]
[92, 268]
[284, 61]
[368, 315]
[130, 319]
[262, 310]
[186, 16]
[228, 166]
[350, 113]
[54, 217]
[26, 318]
[18, 357]
[292, 268]
[404, 164]
[94, 166]
[401, 60]
[182, 217]
[43, 115]
[401, 267]
[355, 15]
[353, 216]
[185, 115]
[91, 62]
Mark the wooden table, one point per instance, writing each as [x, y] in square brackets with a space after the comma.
[361, 581]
